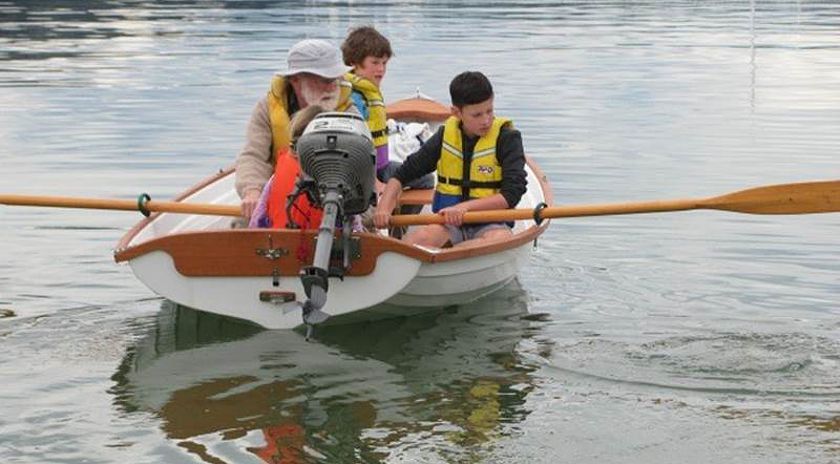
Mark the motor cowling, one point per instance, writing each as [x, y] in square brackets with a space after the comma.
[336, 151]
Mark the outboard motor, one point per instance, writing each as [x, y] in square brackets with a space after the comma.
[338, 162]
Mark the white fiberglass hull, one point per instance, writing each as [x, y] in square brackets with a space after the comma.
[200, 261]
[397, 280]
[239, 296]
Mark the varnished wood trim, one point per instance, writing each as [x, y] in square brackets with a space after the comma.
[418, 109]
[548, 195]
[234, 252]
[129, 236]
[416, 197]
[205, 182]
[241, 252]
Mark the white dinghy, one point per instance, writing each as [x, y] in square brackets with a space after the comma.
[200, 261]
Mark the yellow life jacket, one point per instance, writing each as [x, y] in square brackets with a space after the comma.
[377, 116]
[279, 115]
[485, 172]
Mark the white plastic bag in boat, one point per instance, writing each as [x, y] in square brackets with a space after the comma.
[406, 138]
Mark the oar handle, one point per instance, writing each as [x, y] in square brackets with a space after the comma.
[194, 208]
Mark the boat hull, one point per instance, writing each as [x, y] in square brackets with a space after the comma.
[396, 280]
[205, 263]
[240, 296]
[461, 281]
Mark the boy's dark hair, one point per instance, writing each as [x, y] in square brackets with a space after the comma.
[362, 42]
[469, 88]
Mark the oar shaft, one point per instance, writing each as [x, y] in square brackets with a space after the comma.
[503, 215]
[797, 198]
[123, 205]
[68, 202]
[193, 208]
[636, 207]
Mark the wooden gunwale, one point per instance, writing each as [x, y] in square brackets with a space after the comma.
[409, 109]
[129, 236]
[234, 252]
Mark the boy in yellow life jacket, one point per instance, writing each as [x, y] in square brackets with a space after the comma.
[480, 165]
[368, 52]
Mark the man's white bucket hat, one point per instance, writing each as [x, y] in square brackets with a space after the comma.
[315, 56]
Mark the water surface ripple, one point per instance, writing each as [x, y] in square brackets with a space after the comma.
[694, 337]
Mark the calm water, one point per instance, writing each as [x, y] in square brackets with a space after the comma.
[693, 337]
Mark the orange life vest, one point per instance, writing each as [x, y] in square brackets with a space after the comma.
[283, 444]
[286, 172]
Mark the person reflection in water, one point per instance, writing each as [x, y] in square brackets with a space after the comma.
[438, 379]
[287, 442]
[284, 444]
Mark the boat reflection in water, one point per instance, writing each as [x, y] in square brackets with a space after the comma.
[444, 384]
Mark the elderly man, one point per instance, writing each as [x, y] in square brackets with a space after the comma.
[313, 77]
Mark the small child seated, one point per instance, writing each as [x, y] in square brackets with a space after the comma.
[368, 52]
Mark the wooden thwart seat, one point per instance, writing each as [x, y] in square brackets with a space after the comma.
[416, 197]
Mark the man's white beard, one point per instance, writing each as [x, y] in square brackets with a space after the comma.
[327, 101]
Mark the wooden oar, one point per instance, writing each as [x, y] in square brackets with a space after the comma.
[800, 198]
[125, 205]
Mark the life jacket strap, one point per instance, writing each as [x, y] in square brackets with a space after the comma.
[472, 184]
[379, 133]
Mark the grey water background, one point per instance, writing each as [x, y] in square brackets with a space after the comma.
[693, 337]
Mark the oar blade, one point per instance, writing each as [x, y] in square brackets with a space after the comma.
[798, 198]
